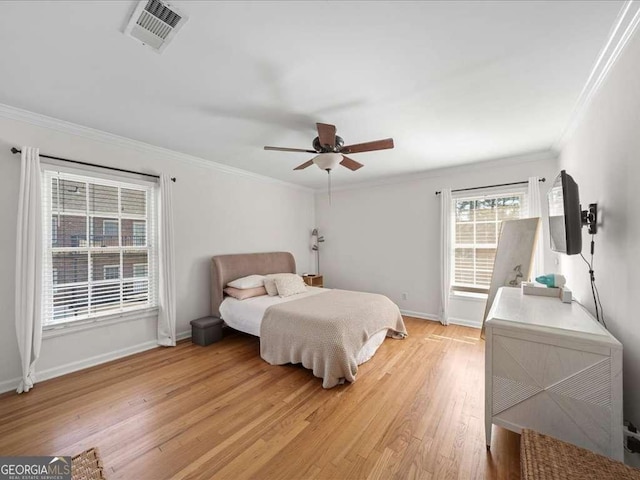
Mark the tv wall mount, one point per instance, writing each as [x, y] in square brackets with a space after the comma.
[590, 218]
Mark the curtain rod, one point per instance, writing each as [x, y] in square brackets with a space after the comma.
[491, 186]
[14, 150]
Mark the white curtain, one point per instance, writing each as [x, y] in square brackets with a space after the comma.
[535, 210]
[28, 299]
[445, 254]
[167, 267]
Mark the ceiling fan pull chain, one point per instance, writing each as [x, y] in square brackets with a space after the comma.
[329, 175]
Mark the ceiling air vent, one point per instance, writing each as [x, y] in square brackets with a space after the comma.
[155, 23]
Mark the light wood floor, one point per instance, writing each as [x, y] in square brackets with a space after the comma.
[416, 411]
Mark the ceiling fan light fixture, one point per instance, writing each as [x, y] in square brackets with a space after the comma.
[327, 161]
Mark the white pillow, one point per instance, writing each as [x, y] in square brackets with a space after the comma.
[290, 285]
[270, 283]
[252, 281]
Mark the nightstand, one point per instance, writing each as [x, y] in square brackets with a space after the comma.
[313, 280]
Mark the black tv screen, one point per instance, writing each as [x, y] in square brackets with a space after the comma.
[565, 220]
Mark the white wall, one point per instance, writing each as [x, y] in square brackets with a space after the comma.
[216, 212]
[603, 156]
[386, 239]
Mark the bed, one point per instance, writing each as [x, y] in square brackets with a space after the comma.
[328, 331]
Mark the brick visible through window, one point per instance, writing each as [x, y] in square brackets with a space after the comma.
[99, 247]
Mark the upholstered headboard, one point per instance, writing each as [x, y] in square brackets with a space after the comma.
[225, 268]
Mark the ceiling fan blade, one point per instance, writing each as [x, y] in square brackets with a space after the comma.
[350, 163]
[368, 146]
[284, 149]
[304, 165]
[327, 134]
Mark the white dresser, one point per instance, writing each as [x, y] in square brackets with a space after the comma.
[552, 368]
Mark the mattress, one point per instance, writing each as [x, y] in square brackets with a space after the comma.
[246, 316]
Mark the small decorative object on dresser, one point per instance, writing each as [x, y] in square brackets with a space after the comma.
[313, 280]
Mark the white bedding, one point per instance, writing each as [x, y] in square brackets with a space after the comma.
[246, 316]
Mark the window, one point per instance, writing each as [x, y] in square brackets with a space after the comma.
[477, 221]
[139, 233]
[54, 230]
[139, 271]
[109, 233]
[111, 272]
[99, 247]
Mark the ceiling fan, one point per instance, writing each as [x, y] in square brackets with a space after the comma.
[330, 149]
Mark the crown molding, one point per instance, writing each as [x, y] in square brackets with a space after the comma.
[537, 156]
[63, 126]
[623, 29]
[37, 119]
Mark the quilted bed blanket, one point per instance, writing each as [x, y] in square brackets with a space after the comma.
[325, 332]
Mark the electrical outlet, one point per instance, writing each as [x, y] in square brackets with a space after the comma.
[405, 296]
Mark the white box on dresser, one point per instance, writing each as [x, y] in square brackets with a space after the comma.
[550, 367]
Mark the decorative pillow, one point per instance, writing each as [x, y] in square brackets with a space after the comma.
[252, 281]
[290, 285]
[242, 294]
[270, 283]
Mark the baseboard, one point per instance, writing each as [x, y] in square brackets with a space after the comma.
[632, 459]
[436, 318]
[424, 316]
[464, 322]
[183, 335]
[8, 385]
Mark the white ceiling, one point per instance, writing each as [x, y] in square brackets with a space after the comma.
[451, 82]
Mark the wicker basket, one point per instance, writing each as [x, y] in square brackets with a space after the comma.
[87, 466]
[545, 458]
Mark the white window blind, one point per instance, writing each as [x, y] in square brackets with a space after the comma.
[100, 247]
[477, 220]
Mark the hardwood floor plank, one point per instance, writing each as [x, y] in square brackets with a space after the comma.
[378, 470]
[191, 412]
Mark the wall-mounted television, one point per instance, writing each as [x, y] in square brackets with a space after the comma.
[565, 215]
